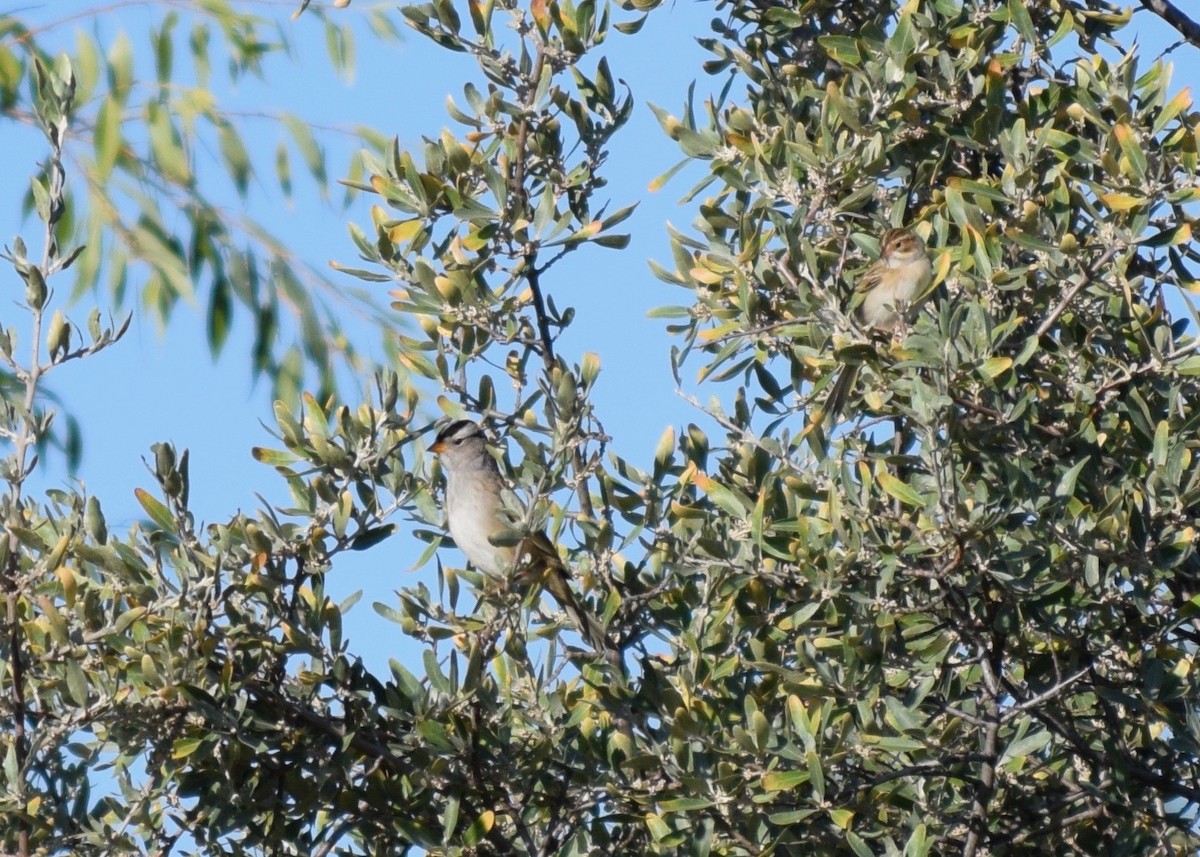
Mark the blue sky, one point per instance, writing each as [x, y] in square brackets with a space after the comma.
[163, 386]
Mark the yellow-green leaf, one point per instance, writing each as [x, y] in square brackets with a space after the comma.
[841, 817]
[658, 828]
[156, 510]
[1122, 201]
[899, 490]
[993, 367]
[184, 747]
[782, 781]
[479, 828]
[1127, 139]
[1182, 101]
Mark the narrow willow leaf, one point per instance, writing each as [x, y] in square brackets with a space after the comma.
[782, 781]
[1123, 201]
[899, 490]
[1132, 149]
[994, 367]
[1066, 485]
[156, 510]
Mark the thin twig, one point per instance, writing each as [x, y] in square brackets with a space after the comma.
[1000, 419]
[1061, 824]
[758, 331]
[1082, 279]
[26, 438]
[1032, 701]
[533, 273]
[1133, 768]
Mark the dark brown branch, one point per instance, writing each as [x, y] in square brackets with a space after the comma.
[991, 663]
[377, 751]
[1185, 26]
[1130, 765]
[17, 655]
[951, 766]
[484, 783]
[1000, 419]
[533, 272]
[1032, 701]
[984, 787]
[1058, 825]
[539, 309]
[519, 191]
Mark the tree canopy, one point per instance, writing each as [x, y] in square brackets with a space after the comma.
[959, 616]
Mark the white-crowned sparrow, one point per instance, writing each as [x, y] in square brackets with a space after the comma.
[475, 516]
[888, 288]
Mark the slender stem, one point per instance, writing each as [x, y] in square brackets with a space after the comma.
[991, 663]
[999, 418]
[25, 438]
[1058, 825]
[1017, 709]
[1087, 275]
[26, 435]
[18, 705]
[533, 272]
[530, 250]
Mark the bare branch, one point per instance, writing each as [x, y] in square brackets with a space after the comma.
[1033, 701]
[992, 666]
[1189, 29]
[1087, 275]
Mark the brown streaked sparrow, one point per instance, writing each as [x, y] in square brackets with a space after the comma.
[888, 289]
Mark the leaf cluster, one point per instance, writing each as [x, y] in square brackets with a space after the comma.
[997, 547]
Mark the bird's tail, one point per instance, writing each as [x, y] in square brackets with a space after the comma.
[839, 393]
[543, 562]
[823, 418]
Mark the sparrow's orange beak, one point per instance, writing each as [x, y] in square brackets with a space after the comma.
[439, 447]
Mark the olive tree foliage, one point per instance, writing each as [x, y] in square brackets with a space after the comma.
[188, 689]
[145, 208]
[167, 690]
[962, 619]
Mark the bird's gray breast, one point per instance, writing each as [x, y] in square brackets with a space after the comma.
[473, 515]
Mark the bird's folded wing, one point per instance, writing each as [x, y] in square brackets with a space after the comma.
[538, 560]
